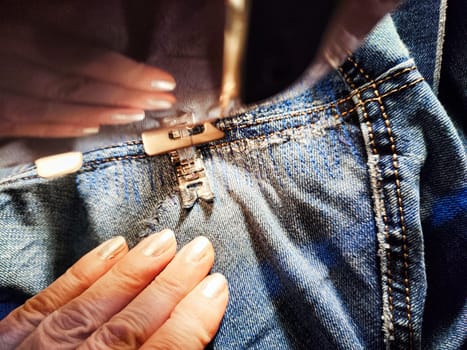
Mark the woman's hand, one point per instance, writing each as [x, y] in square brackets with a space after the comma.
[56, 86]
[113, 298]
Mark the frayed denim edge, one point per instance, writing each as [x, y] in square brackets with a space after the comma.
[439, 45]
[383, 247]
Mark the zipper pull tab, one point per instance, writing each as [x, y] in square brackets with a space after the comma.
[180, 133]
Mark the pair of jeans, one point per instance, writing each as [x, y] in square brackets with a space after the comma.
[339, 214]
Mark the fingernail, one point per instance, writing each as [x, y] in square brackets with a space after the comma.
[89, 131]
[214, 285]
[158, 243]
[160, 104]
[128, 117]
[197, 249]
[163, 85]
[111, 248]
[59, 164]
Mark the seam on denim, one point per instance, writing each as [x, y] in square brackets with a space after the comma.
[287, 132]
[287, 115]
[90, 165]
[360, 69]
[344, 113]
[136, 142]
[375, 99]
[395, 164]
[326, 106]
[440, 44]
[31, 177]
[331, 106]
[384, 248]
[87, 166]
[126, 143]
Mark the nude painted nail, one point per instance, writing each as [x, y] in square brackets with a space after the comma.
[89, 131]
[59, 164]
[163, 85]
[214, 285]
[197, 249]
[160, 104]
[130, 118]
[159, 243]
[111, 248]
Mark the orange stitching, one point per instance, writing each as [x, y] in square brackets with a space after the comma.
[332, 105]
[371, 137]
[395, 162]
[374, 99]
[347, 79]
[377, 82]
[349, 58]
[321, 108]
[402, 87]
[298, 113]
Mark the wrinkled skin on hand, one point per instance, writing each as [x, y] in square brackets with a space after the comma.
[112, 298]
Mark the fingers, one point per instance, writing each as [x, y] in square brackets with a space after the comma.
[116, 303]
[71, 56]
[195, 320]
[25, 116]
[22, 321]
[30, 79]
[152, 307]
[75, 321]
[67, 88]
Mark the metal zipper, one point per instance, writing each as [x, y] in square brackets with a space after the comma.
[178, 140]
[193, 183]
[183, 132]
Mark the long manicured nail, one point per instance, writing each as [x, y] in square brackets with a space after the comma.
[214, 285]
[111, 248]
[130, 118]
[90, 131]
[59, 164]
[163, 85]
[159, 104]
[159, 243]
[197, 249]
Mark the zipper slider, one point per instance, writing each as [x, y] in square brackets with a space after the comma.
[180, 132]
[177, 139]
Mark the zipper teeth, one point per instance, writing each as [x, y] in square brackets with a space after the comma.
[193, 183]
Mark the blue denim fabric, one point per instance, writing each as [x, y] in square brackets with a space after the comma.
[453, 84]
[339, 218]
[420, 25]
[435, 33]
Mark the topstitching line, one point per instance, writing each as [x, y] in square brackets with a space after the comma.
[299, 113]
[389, 303]
[395, 163]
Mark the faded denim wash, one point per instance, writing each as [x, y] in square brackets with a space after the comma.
[339, 218]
